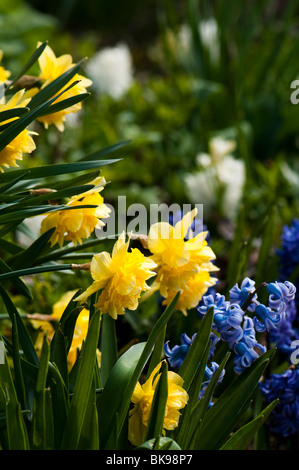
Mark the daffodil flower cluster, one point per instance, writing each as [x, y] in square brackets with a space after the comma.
[51, 67]
[78, 222]
[184, 265]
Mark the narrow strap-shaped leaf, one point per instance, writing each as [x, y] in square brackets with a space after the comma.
[52, 88]
[201, 407]
[12, 113]
[111, 150]
[20, 124]
[17, 367]
[125, 374]
[27, 257]
[22, 214]
[9, 185]
[221, 417]
[60, 403]
[56, 195]
[16, 429]
[108, 347]
[194, 356]
[82, 388]
[34, 57]
[64, 104]
[54, 170]
[34, 270]
[186, 424]
[39, 428]
[24, 337]
[157, 413]
[157, 352]
[18, 283]
[241, 439]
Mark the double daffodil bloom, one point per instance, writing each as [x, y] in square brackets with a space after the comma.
[121, 278]
[143, 398]
[48, 326]
[78, 223]
[51, 68]
[23, 142]
[183, 265]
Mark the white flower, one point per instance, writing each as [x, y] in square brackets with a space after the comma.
[219, 173]
[219, 147]
[231, 173]
[111, 70]
[209, 33]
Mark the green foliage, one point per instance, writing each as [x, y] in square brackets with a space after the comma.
[146, 142]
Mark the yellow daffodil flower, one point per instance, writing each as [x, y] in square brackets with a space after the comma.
[121, 277]
[143, 397]
[51, 68]
[23, 142]
[80, 330]
[194, 289]
[4, 74]
[183, 265]
[76, 224]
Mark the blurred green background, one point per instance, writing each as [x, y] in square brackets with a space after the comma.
[176, 75]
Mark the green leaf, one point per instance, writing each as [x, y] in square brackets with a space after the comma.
[12, 113]
[221, 417]
[40, 425]
[55, 195]
[194, 356]
[241, 439]
[20, 124]
[17, 367]
[201, 407]
[27, 258]
[24, 337]
[12, 183]
[187, 424]
[18, 283]
[78, 406]
[125, 375]
[89, 439]
[34, 57]
[108, 347]
[64, 104]
[60, 403]
[16, 429]
[157, 413]
[50, 90]
[161, 443]
[157, 352]
[110, 399]
[34, 270]
[111, 150]
[46, 171]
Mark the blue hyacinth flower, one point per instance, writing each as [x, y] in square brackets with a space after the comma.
[284, 419]
[246, 348]
[239, 295]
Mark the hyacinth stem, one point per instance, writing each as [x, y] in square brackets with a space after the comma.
[248, 301]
